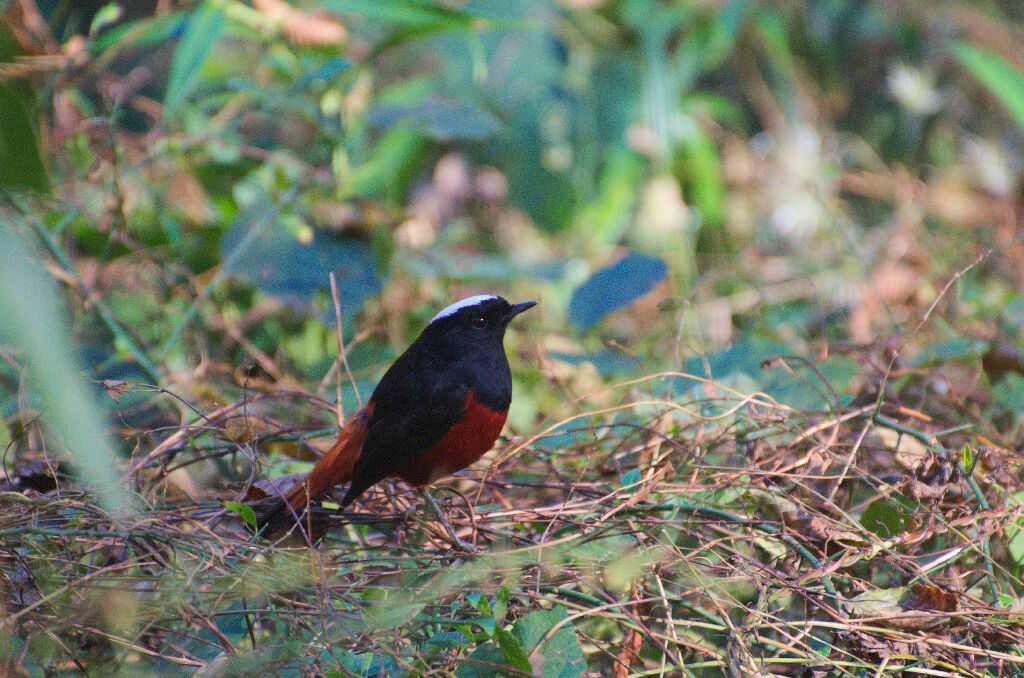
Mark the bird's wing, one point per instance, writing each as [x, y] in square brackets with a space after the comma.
[411, 414]
[336, 466]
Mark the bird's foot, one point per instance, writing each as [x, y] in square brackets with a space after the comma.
[457, 541]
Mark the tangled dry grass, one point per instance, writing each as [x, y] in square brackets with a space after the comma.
[703, 532]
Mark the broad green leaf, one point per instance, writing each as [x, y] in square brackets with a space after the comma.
[631, 476]
[802, 388]
[204, 26]
[513, 650]
[948, 350]
[614, 287]
[742, 357]
[561, 655]
[887, 517]
[481, 663]
[487, 624]
[1002, 79]
[1013, 312]
[478, 600]
[302, 268]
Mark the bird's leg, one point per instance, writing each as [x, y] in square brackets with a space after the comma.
[464, 545]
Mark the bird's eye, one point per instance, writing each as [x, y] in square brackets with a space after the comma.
[479, 321]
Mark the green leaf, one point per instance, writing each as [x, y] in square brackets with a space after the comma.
[392, 158]
[106, 15]
[725, 27]
[1002, 79]
[481, 663]
[486, 624]
[1009, 392]
[447, 640]
[513, 650]
[614, 287]
[301, 268]
[140, 33]
[22, 164]
[704, 175]
[204, 27]
[480, 602]
[949, 350]
[245, 512]
[561, 655]
[1006, 600]
[608, 362]
[887, 517]
[604, 219]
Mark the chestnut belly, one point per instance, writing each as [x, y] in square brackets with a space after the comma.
[465, 442]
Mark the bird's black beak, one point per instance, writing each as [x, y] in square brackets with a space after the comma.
[516, 309]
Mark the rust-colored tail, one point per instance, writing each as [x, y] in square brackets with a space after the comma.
[336, 466]
[273, 516]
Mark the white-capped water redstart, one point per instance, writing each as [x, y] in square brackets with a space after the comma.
[437, 409]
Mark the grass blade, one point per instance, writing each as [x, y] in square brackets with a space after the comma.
[29, 306]
[998, 76]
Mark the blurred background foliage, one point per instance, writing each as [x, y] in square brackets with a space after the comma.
[695, 185]
[211, 162]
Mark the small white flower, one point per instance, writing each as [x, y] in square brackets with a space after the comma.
[914, 89]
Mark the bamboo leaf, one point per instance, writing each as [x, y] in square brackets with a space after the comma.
[204, 26]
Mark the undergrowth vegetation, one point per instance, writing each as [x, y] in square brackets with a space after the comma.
[767, 417]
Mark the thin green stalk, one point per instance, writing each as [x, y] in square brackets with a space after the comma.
[106, 315]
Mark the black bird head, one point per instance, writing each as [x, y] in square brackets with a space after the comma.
[472, 323]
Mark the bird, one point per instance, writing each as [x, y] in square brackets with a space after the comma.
[438, 408]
